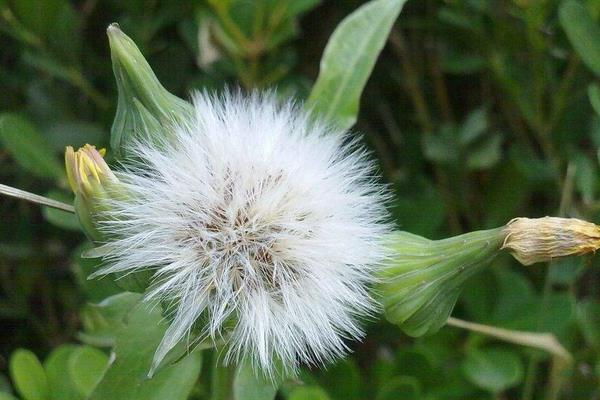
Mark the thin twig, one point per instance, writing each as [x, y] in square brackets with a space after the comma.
[542, 341]
[34, 198]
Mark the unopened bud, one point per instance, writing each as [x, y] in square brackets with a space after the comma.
[90, 179]
[543, 239]
[144, 108]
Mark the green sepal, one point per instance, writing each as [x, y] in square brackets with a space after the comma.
[422, 281]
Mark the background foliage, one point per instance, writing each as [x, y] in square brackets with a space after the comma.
[477, 110]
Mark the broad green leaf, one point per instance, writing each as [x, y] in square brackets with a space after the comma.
[583, 33]
[494, 370]
[86, 366]
[7, 396]
[308, 393]
[56, 366]
[349, 59]
[22, 140]
[28, 375]
[135, 344]
[401, 387]
[59, 218]
[251, 385]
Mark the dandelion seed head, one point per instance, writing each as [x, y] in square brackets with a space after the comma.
[261, 228]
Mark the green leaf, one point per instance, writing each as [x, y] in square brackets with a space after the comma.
[103, 321]
[588, 318]
[59, 218]
[308, 393]
[342, 380]
[56, 366]
[486, 154]
[75, 133]
[248, 385]
[349, 59]
[494, 370]
[473, 127]
[94, 290]
[7, 396]
[566, 270]
[86, 366]
[28, 148]
[5, 384]
[401, 387]
[594, 96]
[442, 147]
[583, 33]
[28, 375]
[135, 344]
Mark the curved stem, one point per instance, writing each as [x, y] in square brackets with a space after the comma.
[542, 341]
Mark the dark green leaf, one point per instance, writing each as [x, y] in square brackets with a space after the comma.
[401, 387]
[28, 147]
[588, 317]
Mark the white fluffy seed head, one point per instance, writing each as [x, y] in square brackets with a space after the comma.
[259, 223]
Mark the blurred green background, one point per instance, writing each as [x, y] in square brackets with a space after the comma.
[477, 110]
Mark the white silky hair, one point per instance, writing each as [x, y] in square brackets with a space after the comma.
[262, 228]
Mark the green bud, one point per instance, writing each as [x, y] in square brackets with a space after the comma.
[144, 106]
[422, 281]
[93, 182]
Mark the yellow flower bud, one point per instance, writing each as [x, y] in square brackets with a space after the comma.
[87, 171]
[89, 177]
[543, 239]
